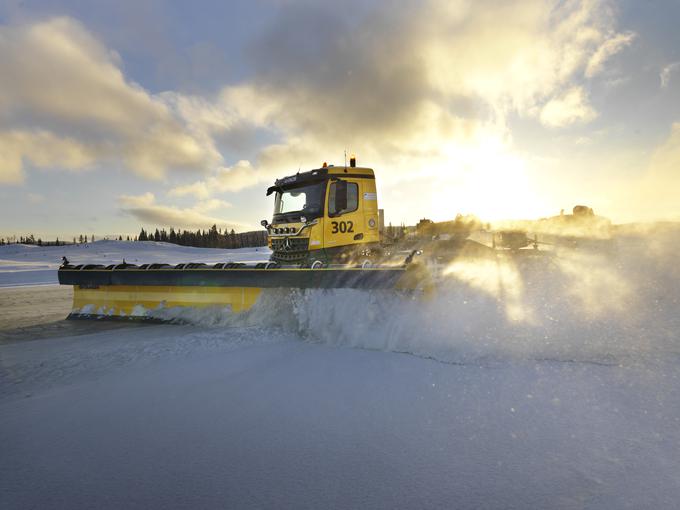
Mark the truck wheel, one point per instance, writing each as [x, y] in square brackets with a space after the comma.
[366, 264]
[317, 264]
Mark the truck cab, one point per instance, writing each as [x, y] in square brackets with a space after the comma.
[324, 216]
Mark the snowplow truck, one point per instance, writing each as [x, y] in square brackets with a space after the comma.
[324, 217]
[325, 234]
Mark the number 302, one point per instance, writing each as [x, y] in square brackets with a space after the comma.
[342, 227]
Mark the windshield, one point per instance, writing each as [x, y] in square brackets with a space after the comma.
[304, 200]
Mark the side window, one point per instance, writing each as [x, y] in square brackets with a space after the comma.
[352, 198]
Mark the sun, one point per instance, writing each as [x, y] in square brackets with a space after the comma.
[486, 179]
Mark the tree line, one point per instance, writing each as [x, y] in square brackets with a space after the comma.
[31, 239]
[211, 238]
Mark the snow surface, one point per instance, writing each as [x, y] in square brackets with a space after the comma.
[37, 265]
[549, 383]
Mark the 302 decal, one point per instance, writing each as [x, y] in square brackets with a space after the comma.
[342, 227]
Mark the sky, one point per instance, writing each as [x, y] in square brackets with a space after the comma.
[118, 115]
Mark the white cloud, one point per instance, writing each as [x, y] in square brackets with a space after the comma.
[659, 190]
[611, 46]
[234, 178]
[423, 90]
[414, 88]
[569, 108]
[211, 205]
[633, 185]
[42, 148]
[145, 209]
[135, 201]
[197, 189]
[64, 102]
[667, 72]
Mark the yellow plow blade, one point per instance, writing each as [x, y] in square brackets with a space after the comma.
[136, 300]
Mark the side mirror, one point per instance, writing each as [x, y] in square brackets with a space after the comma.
[264, 223]
[340, 196]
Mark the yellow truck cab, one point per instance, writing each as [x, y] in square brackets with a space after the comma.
[324, 216]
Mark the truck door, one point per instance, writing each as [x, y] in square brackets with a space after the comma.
[345, 220]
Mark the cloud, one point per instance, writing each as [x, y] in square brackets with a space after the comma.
[428, 85]
[42, 148]
[145, 209]
[137, 201]
[641, 186]
[211, 205]
[197, 189]
[424, 91]
[567, 109]
[667, 72]
[64, 102]
[659, 189]
[607, 49]
[460, 57]
[234, 178]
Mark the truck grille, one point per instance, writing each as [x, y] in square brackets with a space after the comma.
[290, 249]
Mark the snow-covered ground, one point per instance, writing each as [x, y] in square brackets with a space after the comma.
[549, 383]
[37, 265]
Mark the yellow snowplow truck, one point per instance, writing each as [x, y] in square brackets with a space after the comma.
[325, 234]
[325, 216]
